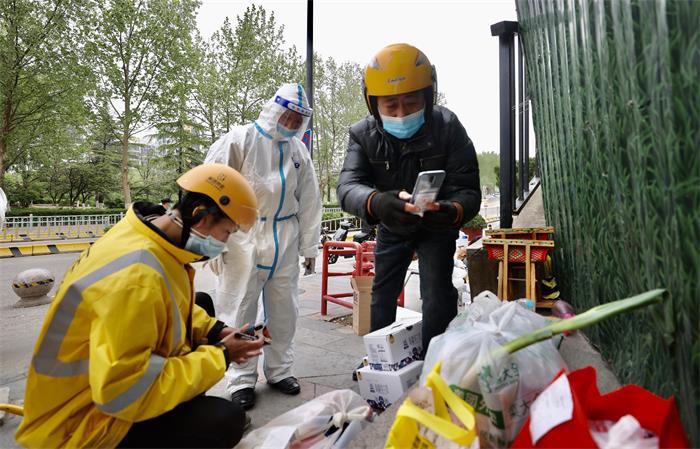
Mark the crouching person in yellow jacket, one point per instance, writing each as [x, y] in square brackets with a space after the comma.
[125, 355]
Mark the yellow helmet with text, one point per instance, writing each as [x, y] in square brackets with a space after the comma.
[227, 188]
[398, 69]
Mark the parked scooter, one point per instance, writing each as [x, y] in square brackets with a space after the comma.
[325, 235]
[339, 235]
[366, 234]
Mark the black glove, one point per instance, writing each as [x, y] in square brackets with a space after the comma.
[390, 210]
[442, 219]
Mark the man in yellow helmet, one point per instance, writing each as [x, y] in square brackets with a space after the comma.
[406, 133]
[125, 355]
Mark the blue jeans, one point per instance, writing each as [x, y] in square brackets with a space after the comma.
[393, 254]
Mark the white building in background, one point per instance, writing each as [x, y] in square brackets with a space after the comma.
[143, 148]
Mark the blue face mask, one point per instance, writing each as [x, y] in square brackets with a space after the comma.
[404, 127]
[286, 132]
[205, 246]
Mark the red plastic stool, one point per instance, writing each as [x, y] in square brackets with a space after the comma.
[363, 266]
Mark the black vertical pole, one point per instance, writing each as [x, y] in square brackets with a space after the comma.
[522, 111]
[526, 121]
[506, 32]
[310, 65]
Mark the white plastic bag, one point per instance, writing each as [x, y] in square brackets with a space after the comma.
[625, 433]
[484, 303]
[317, 424]
[499, 387]
[459, 274]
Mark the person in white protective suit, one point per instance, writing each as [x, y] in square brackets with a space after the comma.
[277, 164]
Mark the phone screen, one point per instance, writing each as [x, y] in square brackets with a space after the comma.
[426, 190]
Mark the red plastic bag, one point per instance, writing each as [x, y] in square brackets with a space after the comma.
[654, 414]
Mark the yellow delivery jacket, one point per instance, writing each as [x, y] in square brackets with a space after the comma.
[116, 344]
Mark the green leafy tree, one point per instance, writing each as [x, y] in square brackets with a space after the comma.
[206, 94]
[338, 104]
[137, 49]
[252, 62]
[104, 147]
[42, 77]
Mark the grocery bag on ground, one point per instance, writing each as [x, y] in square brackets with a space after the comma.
[500, 386]
[329, 421]
[571, 412]
[433, 417]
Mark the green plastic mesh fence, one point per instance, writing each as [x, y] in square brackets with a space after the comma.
[615, 88]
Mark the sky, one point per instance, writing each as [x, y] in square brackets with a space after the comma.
[455, 36]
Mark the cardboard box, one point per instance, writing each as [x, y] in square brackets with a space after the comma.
[399, 343]
[361, 301]
[402, 313]
[385, 366]
[382, 388]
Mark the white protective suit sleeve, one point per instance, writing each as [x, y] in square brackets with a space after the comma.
[228, 150]
[310, 210]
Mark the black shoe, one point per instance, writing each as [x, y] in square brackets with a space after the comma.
[354, 373]
[245, 398]
[290, 385]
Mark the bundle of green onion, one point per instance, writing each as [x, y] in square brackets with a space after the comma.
[588, 318]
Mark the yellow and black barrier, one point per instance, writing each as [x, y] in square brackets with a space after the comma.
[40, 249]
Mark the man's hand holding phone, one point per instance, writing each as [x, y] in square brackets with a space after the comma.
[239, 348]
[393, 209]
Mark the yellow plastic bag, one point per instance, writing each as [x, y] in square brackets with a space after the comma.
[406, 431]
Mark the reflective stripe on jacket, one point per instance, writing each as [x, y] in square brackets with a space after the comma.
[116, 344]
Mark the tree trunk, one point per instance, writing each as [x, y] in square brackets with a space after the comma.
[125, 168]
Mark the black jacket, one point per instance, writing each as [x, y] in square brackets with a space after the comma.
[377, 160]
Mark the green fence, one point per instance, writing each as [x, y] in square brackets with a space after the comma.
[616, 104]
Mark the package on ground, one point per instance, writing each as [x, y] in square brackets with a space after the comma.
[361, 301]
[404, 313]
[382, 388]
[317, 424]
[499, 386]
[397, 344]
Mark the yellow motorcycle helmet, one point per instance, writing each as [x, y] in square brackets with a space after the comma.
[228, 188]
[398, 69]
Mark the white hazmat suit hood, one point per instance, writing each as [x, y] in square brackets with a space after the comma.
[288, 97]
[266, 262]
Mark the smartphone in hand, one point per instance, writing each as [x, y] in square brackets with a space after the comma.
[426, 190]
[253, 332]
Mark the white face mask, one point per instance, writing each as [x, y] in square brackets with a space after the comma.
[205, 246]
[403, 127]
[286, 132]
[198, 243]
